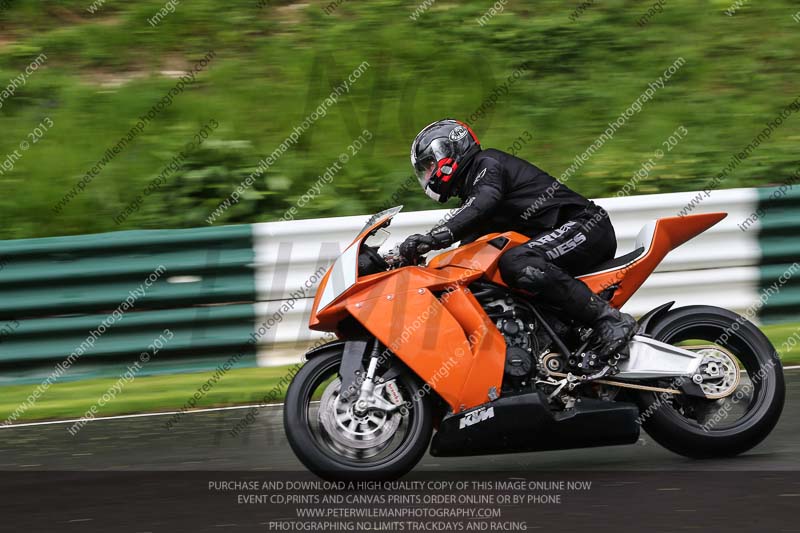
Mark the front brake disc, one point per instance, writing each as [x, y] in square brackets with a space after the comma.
[346, 428]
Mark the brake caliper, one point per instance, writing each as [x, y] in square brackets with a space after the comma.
[393, 393]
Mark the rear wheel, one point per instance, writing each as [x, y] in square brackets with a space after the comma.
[753, 399]
[336, 441]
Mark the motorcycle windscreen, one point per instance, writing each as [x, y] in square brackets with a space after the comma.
[383, 215]
[343, 275]
[344, 271]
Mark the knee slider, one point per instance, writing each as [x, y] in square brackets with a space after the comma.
[511, 264]
[526, 270]
[533, 278]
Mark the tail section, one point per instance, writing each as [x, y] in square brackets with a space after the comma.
[674, 231]
[655, 241]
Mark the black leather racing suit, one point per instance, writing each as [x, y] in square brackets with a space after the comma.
[569, 234]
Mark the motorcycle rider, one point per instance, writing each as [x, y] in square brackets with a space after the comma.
[499, 192]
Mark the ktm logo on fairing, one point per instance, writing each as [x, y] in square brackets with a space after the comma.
[476, 416]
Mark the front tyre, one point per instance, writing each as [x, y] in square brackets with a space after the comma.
[704, 428]
[336, 442]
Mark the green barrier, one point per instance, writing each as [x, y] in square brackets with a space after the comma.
[779, 239]
[88, 305]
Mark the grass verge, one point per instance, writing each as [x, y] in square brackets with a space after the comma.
[144, 394]
[238, 387]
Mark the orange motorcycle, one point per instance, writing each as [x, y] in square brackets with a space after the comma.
[449, 347]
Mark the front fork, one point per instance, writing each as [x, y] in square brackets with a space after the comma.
[371, 391]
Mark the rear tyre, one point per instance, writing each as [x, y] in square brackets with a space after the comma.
[702, 428]
[337, 445]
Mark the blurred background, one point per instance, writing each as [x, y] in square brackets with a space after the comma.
[578, 66]
[150, 114]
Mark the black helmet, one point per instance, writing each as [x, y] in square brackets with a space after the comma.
[437, 153]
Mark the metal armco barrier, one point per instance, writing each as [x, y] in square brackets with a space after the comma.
[779, 239]
[55, 292]
[221, 286]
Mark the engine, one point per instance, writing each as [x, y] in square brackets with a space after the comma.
[524, 338]
[519, 359]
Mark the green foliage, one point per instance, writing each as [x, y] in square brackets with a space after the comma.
[275, 64]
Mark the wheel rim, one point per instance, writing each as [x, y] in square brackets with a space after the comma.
[720, 370]
[371, 440]
[739, 397]
[355, 435]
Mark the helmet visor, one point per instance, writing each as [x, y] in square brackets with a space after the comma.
[424, 169]
[425, 165]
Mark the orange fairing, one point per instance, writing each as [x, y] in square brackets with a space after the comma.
[368, 287]
[478, 255]
[485, 341]
[448, 341]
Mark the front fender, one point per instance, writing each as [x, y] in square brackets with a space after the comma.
[318, 350]
[353, 352]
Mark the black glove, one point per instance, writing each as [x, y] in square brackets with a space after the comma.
[416, 245]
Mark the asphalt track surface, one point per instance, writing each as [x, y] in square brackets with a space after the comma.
[202, 441]
[110, 463]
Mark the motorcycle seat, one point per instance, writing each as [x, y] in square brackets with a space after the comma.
[644, 241]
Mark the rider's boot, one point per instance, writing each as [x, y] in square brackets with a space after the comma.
[613, 329]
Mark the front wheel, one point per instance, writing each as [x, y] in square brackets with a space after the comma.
[336, 442]
[751, 377]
